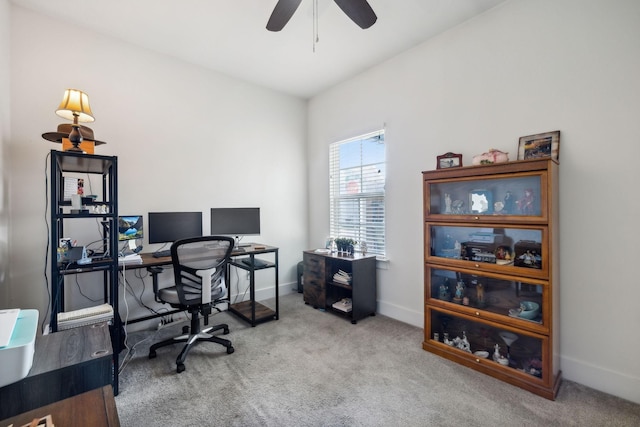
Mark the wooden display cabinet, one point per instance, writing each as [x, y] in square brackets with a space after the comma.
[490, 270]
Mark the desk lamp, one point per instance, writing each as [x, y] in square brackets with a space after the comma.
[75, 106]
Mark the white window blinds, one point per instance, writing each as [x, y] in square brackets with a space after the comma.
[356, 190]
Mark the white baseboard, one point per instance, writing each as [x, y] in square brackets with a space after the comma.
[606, 380]
[414, 318]
[269, 292]
[603, 379]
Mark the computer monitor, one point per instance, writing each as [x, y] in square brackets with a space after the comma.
[235, 221]
[167, 227]
[130, 227]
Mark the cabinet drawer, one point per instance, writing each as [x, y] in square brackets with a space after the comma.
[313, 264]
[524, 356]
[515, 250]
[502, 192]
[490, 296]
[314, 290]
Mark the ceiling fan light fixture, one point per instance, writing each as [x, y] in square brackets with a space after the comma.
[359, 11]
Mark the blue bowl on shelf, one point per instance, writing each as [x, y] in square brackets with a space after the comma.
[529, 310]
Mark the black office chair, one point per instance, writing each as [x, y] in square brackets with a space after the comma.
[199, 265]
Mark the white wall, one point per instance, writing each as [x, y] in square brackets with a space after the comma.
[186, 139]
[523, 68]
[4, 139]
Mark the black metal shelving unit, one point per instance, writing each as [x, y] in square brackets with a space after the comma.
[67, 162]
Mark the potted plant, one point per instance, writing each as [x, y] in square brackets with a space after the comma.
[345, 244]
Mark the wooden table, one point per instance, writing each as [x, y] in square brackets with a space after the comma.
[95, 408]
[65, 364]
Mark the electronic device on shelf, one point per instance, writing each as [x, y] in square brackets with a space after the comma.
[85, 316]
[130, 227]
[257, 262]
[167, 227]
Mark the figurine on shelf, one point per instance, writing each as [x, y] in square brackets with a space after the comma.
[459, 292]
[508, 203]
[444, 291]
[447, 203]
[526, 203]
[496, 353]
[464, 343]
[480, 294]
[457, 206]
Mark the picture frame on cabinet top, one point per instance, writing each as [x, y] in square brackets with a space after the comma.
[449, 160]
[539, 146]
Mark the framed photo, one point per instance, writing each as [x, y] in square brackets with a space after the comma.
[449, 160]
[539, 146]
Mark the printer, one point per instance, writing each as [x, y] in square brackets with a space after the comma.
[16, 353]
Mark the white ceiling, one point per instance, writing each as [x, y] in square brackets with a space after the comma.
[229, 36]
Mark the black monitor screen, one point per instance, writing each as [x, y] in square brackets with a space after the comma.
[235, 221]
[130, 227]
[166, 227]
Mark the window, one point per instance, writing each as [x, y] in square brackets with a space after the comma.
[356, 190]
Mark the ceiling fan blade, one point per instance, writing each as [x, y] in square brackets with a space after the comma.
[359, 11]
[282, 12]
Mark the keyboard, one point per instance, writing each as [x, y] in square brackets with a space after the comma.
[162, 254]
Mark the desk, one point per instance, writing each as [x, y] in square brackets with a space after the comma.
[65, 364]
[95, 408]
[250, 310]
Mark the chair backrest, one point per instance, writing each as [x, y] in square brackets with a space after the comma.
[197, 257]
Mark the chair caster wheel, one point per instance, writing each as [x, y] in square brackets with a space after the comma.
[152, 354]
[225, 331]
[180, 367]
[230, 350]
[185, 330]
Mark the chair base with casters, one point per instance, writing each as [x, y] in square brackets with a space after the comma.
[199, 265]
[191, 336]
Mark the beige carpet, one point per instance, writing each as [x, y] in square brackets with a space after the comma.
[312, 368]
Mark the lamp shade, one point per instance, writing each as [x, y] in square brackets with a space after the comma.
[75, 103]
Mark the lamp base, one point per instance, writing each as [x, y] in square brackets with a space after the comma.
[75, 137]
[75, 148]
[86, 147]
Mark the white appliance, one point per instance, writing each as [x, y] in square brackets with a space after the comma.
[16, 357]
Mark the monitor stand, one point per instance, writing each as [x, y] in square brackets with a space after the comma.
[239, 247]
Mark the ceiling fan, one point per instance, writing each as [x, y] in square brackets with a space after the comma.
[359, 11]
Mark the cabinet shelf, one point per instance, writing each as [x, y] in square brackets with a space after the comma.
[490, 245]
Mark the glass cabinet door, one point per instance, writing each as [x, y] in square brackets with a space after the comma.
[521, 353]
[517, 250]
[496, 297]
[522, 197]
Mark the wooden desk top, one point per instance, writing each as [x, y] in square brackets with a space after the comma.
[148, 260]
[96, 408]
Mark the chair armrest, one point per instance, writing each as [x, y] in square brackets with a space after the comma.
[206, 276]
[154, 280]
